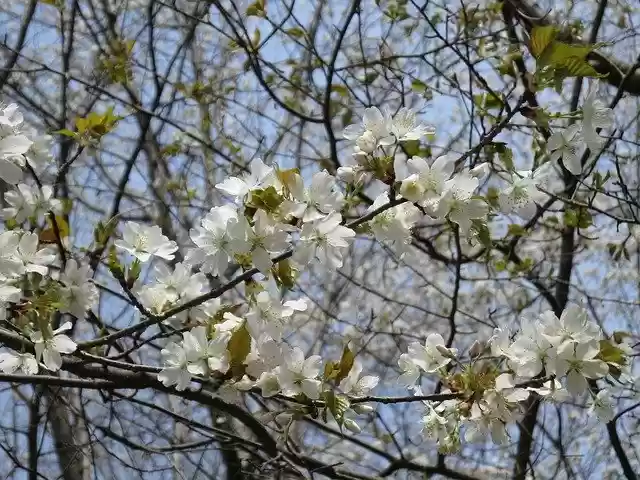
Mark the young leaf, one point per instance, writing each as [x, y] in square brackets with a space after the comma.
[541, 39]
[346, 362]
[239, 346]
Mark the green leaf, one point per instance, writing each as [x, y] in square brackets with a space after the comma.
[541, 39]
[337, 405]
[284, 274]
[418, 86]
[331, 370]
[48, 234]
[239, 346]
[486, 101]
[66, 132]
[412, 147]
[267, 199]
[255, 39]
[295, 32]
[483, 233]
[611, 354]
[115, 267]
[133, 273]
[346, 362]
[341, 90]
[516, 230]
[256, 9]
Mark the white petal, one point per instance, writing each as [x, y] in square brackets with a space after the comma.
[52, 359]
[233, 186]
[63, 344]
[15, 145]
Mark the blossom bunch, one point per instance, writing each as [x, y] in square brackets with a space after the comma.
[272, 224]
[549, 358]
[30, 290]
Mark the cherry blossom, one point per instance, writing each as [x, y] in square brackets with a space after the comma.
[429, 357]
[566, 145]
[80, 293]
[578, 362]
[376, 126]
[144, 242]
[50, 344]
[405, 127]
[26, 201]
[259, 176]
[12, 150]
[175, 367]
[222, 234]
[298, 375]
[323, 239]
[315, 202]
[356, 385]
[11, 362]
[595, 115]
[425, 182]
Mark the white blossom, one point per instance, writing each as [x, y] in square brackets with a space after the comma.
[567, 145]
[175, 370]
[355, 385]
[8, 294]
[222, 234]
[405, 127]
[578, 362]
[80, 293]
[267, 237]
[376, 127]
[315, 202]
[595, 115]
[602, 406]
[521, 196]
[203, 354]
[298, 375]
[394, 224]
[50, 345]
[324, 240]
[11, 362]
[458, 204]
[259, 176]
[144, 241]
[27, 201]
[428, 357]
[34, 260]
[573, 325]
[12, 150]
[268, 315]
[424, 183]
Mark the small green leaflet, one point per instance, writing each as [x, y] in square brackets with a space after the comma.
[566, 59]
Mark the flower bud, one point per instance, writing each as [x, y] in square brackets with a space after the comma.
[367, 142]
[346, 174]
[362, 409]
[445, 351]
[476, 349]
[351, 426]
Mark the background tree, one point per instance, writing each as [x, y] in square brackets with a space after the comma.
[150, 104]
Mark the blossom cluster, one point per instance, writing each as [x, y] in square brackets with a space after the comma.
[569, 144]
[273, 224]
[550, 357]
[29, 264]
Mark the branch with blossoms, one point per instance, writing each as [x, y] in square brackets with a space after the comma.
[274, 225]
